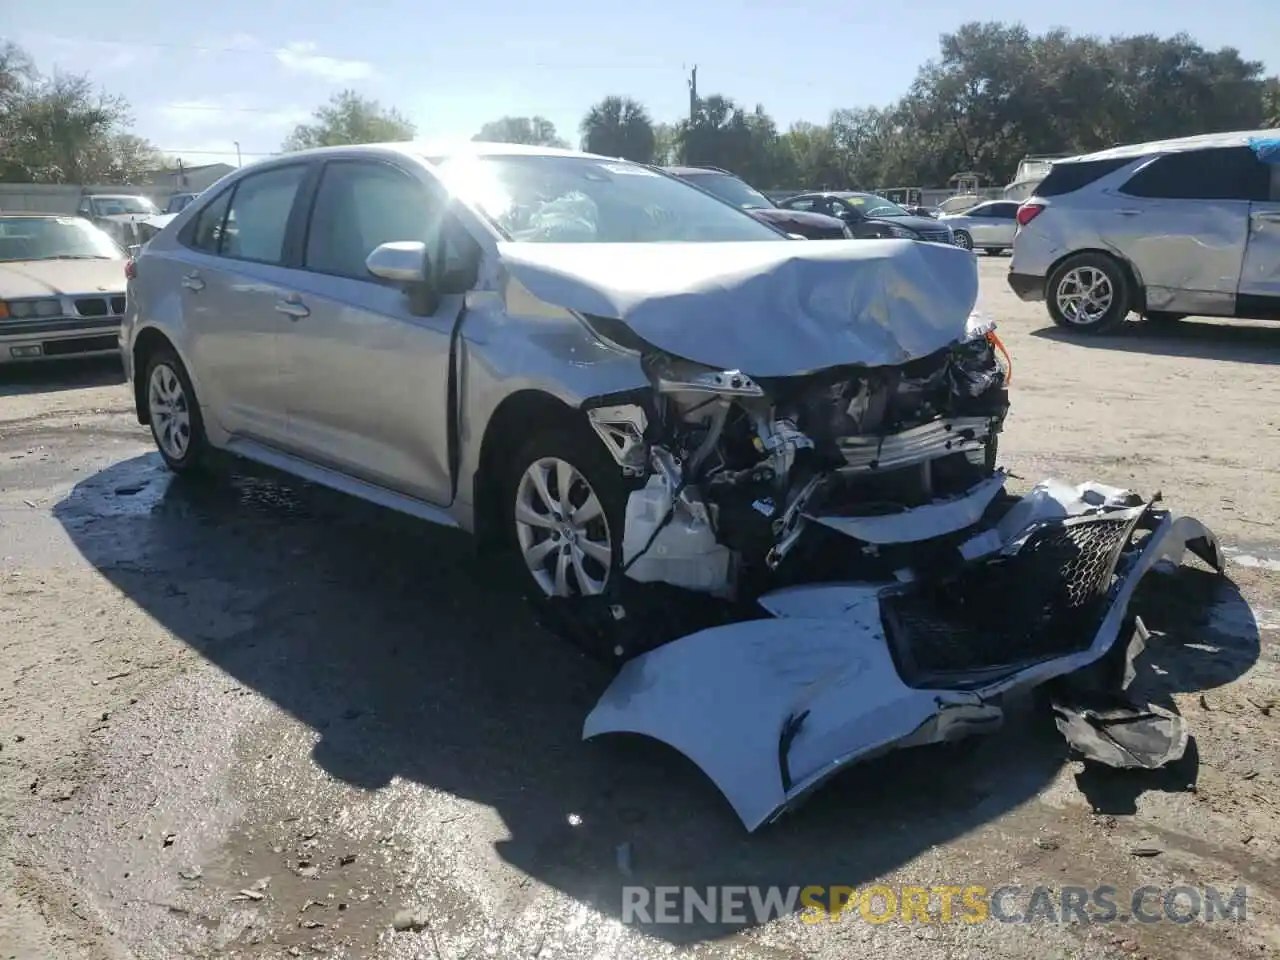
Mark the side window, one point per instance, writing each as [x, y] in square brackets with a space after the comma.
[982, 211]
[259, 216]
[805, 204]
[359, 206]
[207, 230]
[1007, 211]
[1224, 173]
[1070, 176]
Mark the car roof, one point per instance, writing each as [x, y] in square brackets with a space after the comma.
[1204, 141]
[423, 149]
[116, 196]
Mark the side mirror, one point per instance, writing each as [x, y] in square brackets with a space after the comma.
[406, 262]
[402, 261]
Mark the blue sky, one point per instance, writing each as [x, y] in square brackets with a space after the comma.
[202, 77]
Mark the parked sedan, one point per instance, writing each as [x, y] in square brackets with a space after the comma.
[62, 288]
[731, 189]
[868, 215]
[988, 226]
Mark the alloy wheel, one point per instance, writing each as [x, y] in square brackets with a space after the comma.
[562, 529]
[1084, 295]
[170, 411]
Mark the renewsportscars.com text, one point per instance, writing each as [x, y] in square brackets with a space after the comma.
[969, 904]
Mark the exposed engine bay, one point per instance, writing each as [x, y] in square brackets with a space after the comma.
[751, 484]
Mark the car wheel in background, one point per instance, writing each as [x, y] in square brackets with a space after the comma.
[993, 251]
[176, 424]
[964, 240]
[1088, 293]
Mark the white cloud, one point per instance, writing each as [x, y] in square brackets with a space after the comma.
[227, 112]
[301, 57]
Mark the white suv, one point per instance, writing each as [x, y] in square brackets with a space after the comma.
[1168, 229]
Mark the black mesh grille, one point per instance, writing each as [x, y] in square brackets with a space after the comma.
[1047, 599]
[936, 236]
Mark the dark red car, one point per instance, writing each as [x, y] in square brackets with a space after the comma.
[722, 183]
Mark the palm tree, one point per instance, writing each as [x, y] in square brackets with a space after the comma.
[619, 127]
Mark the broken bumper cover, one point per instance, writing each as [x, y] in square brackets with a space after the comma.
[770, 709]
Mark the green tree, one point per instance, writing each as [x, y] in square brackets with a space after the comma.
[619, 127]
[63, 129]
[534, 131]
[350, 118]
[1271, 103]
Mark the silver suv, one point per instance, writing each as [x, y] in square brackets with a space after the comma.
[1168, 229]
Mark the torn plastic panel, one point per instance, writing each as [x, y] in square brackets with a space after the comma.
[771, 709]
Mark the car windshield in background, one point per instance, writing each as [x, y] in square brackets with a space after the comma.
[872, 206]
[730, 188]
[112, 206]
[54, 238]
[583, 200]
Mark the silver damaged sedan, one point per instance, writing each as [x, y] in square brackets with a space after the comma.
[758, 473]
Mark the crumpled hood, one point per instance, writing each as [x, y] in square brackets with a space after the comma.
[44, 278]
[767, 309]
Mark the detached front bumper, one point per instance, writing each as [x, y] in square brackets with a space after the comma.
[770, 709]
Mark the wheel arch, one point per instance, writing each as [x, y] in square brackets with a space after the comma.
[145, 344]
[517, 415]
[1137, 291]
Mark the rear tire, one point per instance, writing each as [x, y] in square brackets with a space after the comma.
[1088, 293]
[174, 413]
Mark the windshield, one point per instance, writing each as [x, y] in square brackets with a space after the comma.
[584, 200]
[730, 188]
[111, 206]
[54, 238]
[869, 205]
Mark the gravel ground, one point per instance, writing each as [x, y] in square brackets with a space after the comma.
[250, 719]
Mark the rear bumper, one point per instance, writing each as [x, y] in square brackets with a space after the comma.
[29, 341]
[1027, 286]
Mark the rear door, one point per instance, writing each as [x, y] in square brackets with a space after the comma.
[231, 278]
[1183, 220]
[999, 224]
[367, 379]
[1260, 276]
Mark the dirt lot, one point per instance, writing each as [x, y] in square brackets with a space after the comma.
[253, 720]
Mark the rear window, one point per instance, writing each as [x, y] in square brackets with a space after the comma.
[1224, 173]
[1071, 176]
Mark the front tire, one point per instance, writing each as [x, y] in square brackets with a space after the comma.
[564, 510]
[1089, 293]
[174, 413]
[963, 239]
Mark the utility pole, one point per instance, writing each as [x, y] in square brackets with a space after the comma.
[693, 94]
[238, 161]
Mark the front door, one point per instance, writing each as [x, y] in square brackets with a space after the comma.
[367, 379]
[1260, 276]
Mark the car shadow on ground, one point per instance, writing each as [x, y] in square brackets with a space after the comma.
[411, 658]
[53, 376]
[1212, 340]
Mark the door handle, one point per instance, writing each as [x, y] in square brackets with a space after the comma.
[193, 282]
[293, 309]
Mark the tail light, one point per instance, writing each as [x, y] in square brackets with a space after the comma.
[1028, 212]
[131, 269]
